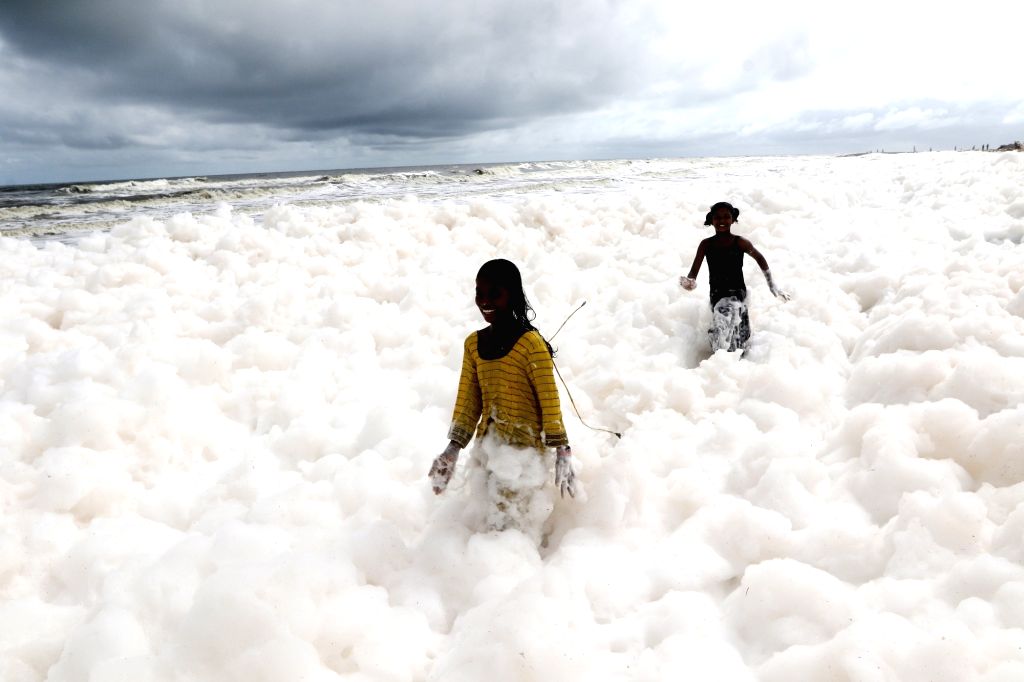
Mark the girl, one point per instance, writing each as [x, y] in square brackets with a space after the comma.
[508, 379]
[730, 326]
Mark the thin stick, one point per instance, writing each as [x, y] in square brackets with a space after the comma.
[566, 386]
[569, 393]
[566, 320]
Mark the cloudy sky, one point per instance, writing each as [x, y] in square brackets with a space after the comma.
[101, 89]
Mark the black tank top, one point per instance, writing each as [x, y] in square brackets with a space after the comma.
[725, 266]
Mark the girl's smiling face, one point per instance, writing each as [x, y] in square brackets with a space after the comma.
[722, 219]
[492, 300]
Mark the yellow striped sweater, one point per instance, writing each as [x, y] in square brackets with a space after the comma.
[516, 394]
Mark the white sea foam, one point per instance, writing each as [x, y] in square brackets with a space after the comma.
[215, 432]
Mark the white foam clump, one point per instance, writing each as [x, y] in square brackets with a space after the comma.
[215, 437]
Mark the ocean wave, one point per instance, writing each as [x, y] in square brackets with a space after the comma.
[398, 177]
[127, 185]
[86, 205]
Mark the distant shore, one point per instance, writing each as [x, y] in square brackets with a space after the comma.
[1015, 146]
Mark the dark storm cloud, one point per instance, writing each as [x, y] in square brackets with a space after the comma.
[75, 131]
[126, 88]
[388, 68]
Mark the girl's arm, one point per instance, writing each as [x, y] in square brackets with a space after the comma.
[689, 282]
[468, 406]
[468, 402]
[540, 369]
[748, 248]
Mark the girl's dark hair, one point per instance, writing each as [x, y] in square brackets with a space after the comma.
[722, 204]
[505, 274]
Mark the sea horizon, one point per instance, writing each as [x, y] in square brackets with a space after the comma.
[58, 210]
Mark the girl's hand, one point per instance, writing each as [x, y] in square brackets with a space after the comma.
[776, 292]
[688, 283]
[565, 477]
[443, 467]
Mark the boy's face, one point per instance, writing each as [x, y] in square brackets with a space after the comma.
[492, 300]
[722, 219]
